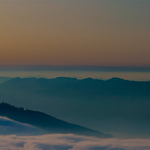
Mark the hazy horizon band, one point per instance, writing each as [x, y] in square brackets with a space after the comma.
[79, 74]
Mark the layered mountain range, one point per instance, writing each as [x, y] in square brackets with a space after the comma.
[115, 106]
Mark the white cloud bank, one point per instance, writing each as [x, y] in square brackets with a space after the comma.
[70, 142]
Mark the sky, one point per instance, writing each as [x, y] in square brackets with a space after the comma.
[75, 32]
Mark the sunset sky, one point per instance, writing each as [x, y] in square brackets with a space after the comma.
[75, 32]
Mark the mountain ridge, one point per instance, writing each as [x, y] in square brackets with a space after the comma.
[46, 122]
[103, 105]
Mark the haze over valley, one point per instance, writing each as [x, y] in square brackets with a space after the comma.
[116, 106]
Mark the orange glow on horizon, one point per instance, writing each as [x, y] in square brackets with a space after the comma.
[74, 33]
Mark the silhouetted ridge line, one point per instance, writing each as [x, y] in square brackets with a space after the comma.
[44, 121]
[106, 105]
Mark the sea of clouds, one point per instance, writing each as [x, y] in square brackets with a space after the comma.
[13, 137]
[70, 142]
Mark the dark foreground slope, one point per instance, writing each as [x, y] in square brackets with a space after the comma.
[46, 122]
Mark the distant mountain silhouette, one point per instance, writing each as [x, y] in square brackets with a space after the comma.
[4, 79]
[46, 122]
[114, 105]
[63, 86]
